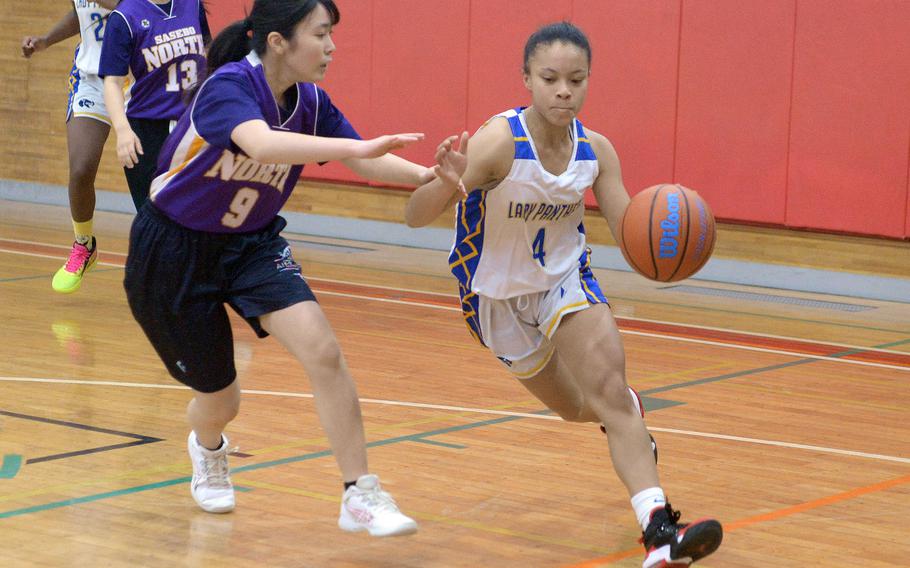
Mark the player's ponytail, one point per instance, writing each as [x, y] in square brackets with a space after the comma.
[267, 16]
[232, 44]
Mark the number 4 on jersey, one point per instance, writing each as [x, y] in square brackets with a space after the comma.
[537, 247]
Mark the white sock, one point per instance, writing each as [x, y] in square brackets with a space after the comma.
[646, 501]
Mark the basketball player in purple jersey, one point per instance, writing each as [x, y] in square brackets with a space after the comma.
[210, 234]
[527, 289]
[87, 127]
[153, 54]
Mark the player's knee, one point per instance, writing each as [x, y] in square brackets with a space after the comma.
[82, 175]
[569, 412]
[612, 390]
[327, 354]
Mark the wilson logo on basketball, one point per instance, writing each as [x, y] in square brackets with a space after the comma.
[669, 241]
[667, 232]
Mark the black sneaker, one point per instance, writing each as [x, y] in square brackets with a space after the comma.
[670, 544]
[641, 410]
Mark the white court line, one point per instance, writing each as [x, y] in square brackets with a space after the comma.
[770, 336]
[775, 443]
[628, 332]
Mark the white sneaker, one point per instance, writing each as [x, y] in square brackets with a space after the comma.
[211, 486]
[366, 507]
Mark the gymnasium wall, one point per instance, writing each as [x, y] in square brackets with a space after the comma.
[783, 112]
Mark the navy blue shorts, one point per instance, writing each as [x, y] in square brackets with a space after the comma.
[178, 280]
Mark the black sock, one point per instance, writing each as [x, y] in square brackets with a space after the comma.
[349, 484]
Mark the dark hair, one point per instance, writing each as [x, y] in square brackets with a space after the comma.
[282, 16]
[562, 32]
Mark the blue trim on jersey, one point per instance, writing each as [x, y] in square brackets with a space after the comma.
[585, 151]
[589, 283]
[470, 305]
[523, 149]
[73, 86]
[465, 254]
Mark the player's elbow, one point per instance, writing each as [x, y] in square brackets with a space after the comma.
[412, 221]
[415, 219]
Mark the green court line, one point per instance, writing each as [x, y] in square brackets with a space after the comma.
[251, 467]
[764, 369]
[11, 465]
[408, 438]
[443, 444]
[725, 377]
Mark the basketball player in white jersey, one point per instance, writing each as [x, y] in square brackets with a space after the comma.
[527, 290]
[87, 128]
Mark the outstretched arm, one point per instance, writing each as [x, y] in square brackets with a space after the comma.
[390, 169]
[67, 27]
[269, 146]
[479, 166]
[611, 194]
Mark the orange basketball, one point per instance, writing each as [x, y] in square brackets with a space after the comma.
[667, 232]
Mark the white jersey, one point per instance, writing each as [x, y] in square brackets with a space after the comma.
[92, 19]
[525, 234]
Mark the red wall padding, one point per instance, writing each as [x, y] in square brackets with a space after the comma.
[734, 105]
[632, 93]
[851, 113]
[784, 112]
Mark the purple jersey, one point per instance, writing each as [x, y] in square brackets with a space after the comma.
[206, 182]
[166, 56]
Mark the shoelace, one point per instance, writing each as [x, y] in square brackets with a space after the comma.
[216, 470]
[77, 258]
[672, 519]
[379, 499]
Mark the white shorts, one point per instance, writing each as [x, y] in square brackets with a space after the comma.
[518, 330]
[86, 97]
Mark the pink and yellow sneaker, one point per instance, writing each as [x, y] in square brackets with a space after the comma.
[69, 278]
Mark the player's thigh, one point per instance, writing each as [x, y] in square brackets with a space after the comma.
[589, 343]
[172, 288]
[85, 143]
[555, 386]
[305, 331]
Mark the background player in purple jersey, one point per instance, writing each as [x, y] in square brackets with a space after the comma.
[209, 235]
[87, 127]
[153, 54]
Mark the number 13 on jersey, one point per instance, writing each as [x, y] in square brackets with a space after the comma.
[537, 247]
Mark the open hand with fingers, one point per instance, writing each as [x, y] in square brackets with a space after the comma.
[452, 161]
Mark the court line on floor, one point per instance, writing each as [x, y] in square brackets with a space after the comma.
[505, 413]
[449, 299]
[649, 301]
[764, 517]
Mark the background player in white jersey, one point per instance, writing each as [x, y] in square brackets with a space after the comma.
[87, 127]
[524, 273]
[210, 235]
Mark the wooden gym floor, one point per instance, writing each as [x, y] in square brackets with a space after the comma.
[783, 414]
